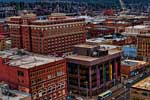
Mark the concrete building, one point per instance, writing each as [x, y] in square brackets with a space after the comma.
[130, 68]
[54, 35]
[143, 44]
[141, 90]
[44, 77]
[93, 69]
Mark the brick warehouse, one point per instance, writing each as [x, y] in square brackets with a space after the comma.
[57, 34]
[43, 77]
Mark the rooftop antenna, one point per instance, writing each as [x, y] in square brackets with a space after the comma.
[122, 5]
[58, 6]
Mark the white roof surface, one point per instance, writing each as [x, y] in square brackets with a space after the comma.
[19, 96]
[28, 60]
[138, 26]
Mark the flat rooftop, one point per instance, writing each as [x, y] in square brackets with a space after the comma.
[146, 34]
[19, 95]
[96, 40]
[131, 63]
[144, 84]
[138, 27]
[89, 59]
[82, 58]
[25, 59]
[86, 45]
[53, 20]
[103, 40]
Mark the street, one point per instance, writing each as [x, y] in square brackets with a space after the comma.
[122, 90]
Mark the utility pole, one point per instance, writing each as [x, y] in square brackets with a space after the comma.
[58, 7]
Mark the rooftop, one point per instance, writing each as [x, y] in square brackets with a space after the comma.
[138, 26]
[25, 59]
[52, 20]
[146, 34]
[18, 95]
[89, 59]
[82, 58]
[144, 84]
[105, 39]
[96, 40]
[86, 45]
[131, 63]
[109, 47]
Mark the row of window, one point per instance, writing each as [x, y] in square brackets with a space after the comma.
[64, 37]
[52, 98]
[14, 26]
[50, 76]
[47, 70]
[56, 32]
[144, 93]
[51, 89]
[58, 26]
[49, 83]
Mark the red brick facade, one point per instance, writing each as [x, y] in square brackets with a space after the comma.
[45, 82]
[55, 35]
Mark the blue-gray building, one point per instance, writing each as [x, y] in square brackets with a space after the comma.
[129, 51]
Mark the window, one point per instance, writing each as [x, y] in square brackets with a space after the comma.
[144, 93]
[20, 73]
[50, 97]
[49, 89]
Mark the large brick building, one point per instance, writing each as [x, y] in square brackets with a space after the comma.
[57, 34]
[93, 69]
[43, 77]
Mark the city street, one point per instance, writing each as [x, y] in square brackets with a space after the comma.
[120, 91]
[120, 94]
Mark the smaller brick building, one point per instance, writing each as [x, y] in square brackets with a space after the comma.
[95, 30]
[131, 68]
[42, 76]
